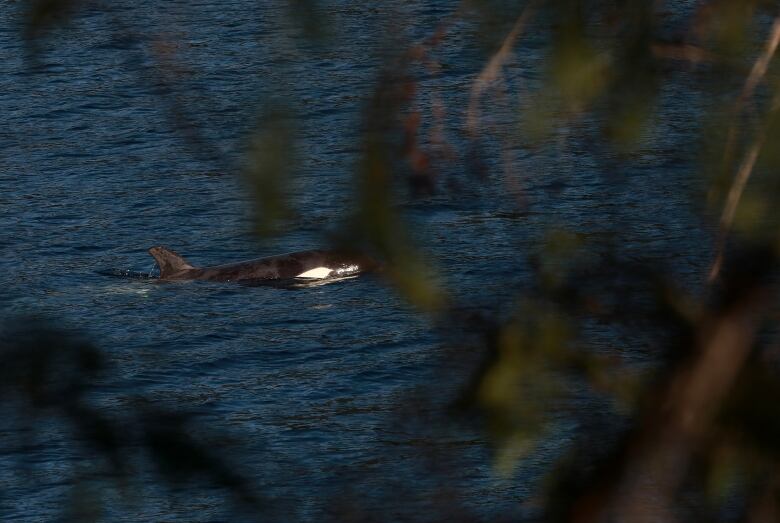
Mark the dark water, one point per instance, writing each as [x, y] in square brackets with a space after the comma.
[95, 168]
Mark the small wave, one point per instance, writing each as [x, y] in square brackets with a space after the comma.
[296, 283]
[130, 274]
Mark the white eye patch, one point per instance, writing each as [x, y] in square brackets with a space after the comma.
[319, 272]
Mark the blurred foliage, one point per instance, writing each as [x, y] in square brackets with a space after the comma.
[50, 377]
[271, 163]
[692, 437]
[377, 224]
[44, 15]
[312, 18]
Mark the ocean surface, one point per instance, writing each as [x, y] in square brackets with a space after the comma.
[130, 130]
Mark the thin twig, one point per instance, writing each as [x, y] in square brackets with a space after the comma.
[492, 69]
[732, 202]
[762, 63]
[757, 73]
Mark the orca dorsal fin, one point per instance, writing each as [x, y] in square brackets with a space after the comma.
[168, 261]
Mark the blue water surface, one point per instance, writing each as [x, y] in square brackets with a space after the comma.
[129, 129]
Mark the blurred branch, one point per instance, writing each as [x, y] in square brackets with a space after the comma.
[658, 455]
[761, 64]
[492, 69]
[757, 73]
[732, 201]
[682, 52]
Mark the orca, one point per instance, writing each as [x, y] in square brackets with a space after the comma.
[305, 265]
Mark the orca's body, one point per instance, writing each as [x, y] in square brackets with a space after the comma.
[310, 265]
